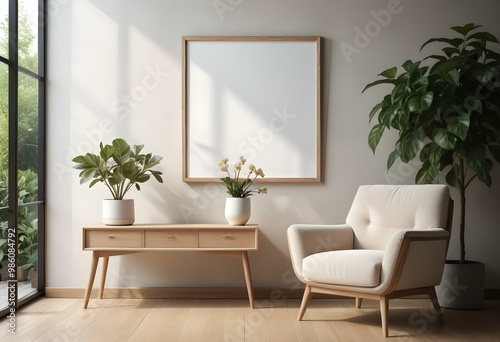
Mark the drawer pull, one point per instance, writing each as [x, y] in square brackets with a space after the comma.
[111, 236]
[170, 236]
[229, 236]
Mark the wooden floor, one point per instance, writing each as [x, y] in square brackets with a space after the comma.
[146, 320]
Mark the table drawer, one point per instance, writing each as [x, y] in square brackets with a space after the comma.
[238, 238]
[170, 239]
[113, 239]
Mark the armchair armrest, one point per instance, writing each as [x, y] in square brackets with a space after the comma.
[415, 258]
[307, 239]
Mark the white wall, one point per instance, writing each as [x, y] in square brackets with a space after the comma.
[114, 70]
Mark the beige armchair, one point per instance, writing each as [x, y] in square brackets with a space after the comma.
[394, 244]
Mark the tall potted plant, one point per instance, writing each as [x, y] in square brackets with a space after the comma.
[447, 115]
[118, 166]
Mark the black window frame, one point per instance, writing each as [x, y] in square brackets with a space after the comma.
[12, 62]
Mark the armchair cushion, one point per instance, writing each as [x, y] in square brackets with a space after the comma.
[355, 267]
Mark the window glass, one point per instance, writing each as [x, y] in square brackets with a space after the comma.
[28, 34]
[4, 28]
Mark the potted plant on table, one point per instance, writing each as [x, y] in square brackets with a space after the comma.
[118, 166]
[239, 188]
[447, 115]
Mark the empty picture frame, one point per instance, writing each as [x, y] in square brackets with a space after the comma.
[252, 96]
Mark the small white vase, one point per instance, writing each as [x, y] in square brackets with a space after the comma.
[118, 212]
[237, 210]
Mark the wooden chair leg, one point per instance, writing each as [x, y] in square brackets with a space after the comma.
[305, 302]
[384, 309]
[359, 301]
[435, 303]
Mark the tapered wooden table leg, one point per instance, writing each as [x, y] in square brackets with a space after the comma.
[248, 276]
[105, 262]
[90, 283]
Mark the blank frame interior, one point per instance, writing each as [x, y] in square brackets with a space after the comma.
[253, 96]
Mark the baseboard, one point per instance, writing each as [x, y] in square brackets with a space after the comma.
[176, 292]
[201, 293]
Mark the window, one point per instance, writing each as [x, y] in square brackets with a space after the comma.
[22, 150]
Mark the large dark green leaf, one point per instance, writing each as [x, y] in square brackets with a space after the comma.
[484, 36]
[420, 84]
[473, 103]
[459, 126]
[452, 177]
[453, 77]
[400, 91]
[387, 114]
[427, 174]
[455, 42]
[374, 136]
[409, 144]
[445, 139]
[450, 51]
[419, 103]
[389, 81]
[464, 30]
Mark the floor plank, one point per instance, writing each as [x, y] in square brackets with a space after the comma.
[207, 320]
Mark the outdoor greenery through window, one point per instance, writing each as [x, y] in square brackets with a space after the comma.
[21, 145]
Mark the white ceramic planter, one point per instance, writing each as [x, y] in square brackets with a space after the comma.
[462, 285]
[237, 211]
[118, 212]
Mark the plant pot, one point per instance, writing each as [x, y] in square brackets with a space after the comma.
[237, 210]
[22, 274]
[34, 278]
[118, 212]
[462, 285]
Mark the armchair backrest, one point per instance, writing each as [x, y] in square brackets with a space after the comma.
[378, 211]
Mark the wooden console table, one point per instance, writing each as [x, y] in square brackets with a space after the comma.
[105, 241]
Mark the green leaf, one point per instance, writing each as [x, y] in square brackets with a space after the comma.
[445, 139]
[392, 158]
[420, 84]
[400, 91]
[374, 136]
[438, 57]
[389, 73]
[419, 103]
[473, 103]
[455, 42]
[410, 66]
[452, 176]
[387, 115]
[459, 126]
[464, 30]
[375, 110]
[453, 77]
[389, 81]
[409, 144]
[427, 174]
[485, 74]
[484, 36]
[450, 51]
